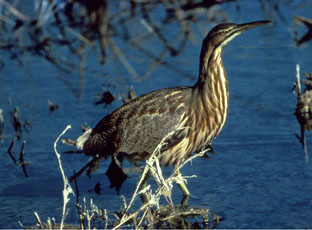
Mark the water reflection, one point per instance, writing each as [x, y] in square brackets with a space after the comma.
[259, 165]
[306, 22]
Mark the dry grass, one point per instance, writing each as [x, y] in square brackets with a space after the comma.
[149, 215]
[304, 108]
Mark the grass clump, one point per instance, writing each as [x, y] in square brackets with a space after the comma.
[148, 215]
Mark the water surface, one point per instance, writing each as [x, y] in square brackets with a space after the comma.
[258, 177]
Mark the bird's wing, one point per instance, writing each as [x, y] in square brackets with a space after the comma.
[151, 118]
[138, 126]
[143, 134]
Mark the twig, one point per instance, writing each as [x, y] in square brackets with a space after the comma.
[1, 124]
[136, 43]
[38, 220]
[14, 11]
[125, 218]
[149, 165]
[21, 160]
[164, 185]
[298, 86]
[122, 59]
[155, 64]
[143, 216]
[152, 28]
[67, 188]
[82, 67]
[77, 189]
[146, 169]
[302, 138]
[10, 153]
[78, 35]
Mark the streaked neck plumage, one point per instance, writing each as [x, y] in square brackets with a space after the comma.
[211, 89]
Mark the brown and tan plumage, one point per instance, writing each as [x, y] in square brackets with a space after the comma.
[197, 113]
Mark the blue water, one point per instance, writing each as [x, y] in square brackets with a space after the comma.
[258, 177]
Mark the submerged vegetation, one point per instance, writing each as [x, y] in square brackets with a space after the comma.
[57, 29]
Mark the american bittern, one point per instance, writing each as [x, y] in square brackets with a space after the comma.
[196, 114]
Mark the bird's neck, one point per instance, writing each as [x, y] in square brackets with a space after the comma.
[211, 90]
[212, 81]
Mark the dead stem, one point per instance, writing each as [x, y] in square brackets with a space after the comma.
[164, 185]
[122, 59]
[67, 190]
[303, 111]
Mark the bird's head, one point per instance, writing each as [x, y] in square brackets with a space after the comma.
[219, 37]
[222, 34]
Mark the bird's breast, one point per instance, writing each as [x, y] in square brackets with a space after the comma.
[202, 121]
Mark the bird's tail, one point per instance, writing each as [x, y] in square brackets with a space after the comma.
[82, 139]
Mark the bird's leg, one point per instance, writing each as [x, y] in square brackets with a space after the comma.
[182, 185]
[183, 188]
[185, 199]
[143, 185]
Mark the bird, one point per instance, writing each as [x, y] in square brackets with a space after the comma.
[195, 115]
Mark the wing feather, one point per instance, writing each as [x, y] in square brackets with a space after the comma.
[140, 125]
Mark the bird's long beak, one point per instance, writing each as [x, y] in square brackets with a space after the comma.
[240, 28]
[246, 26]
